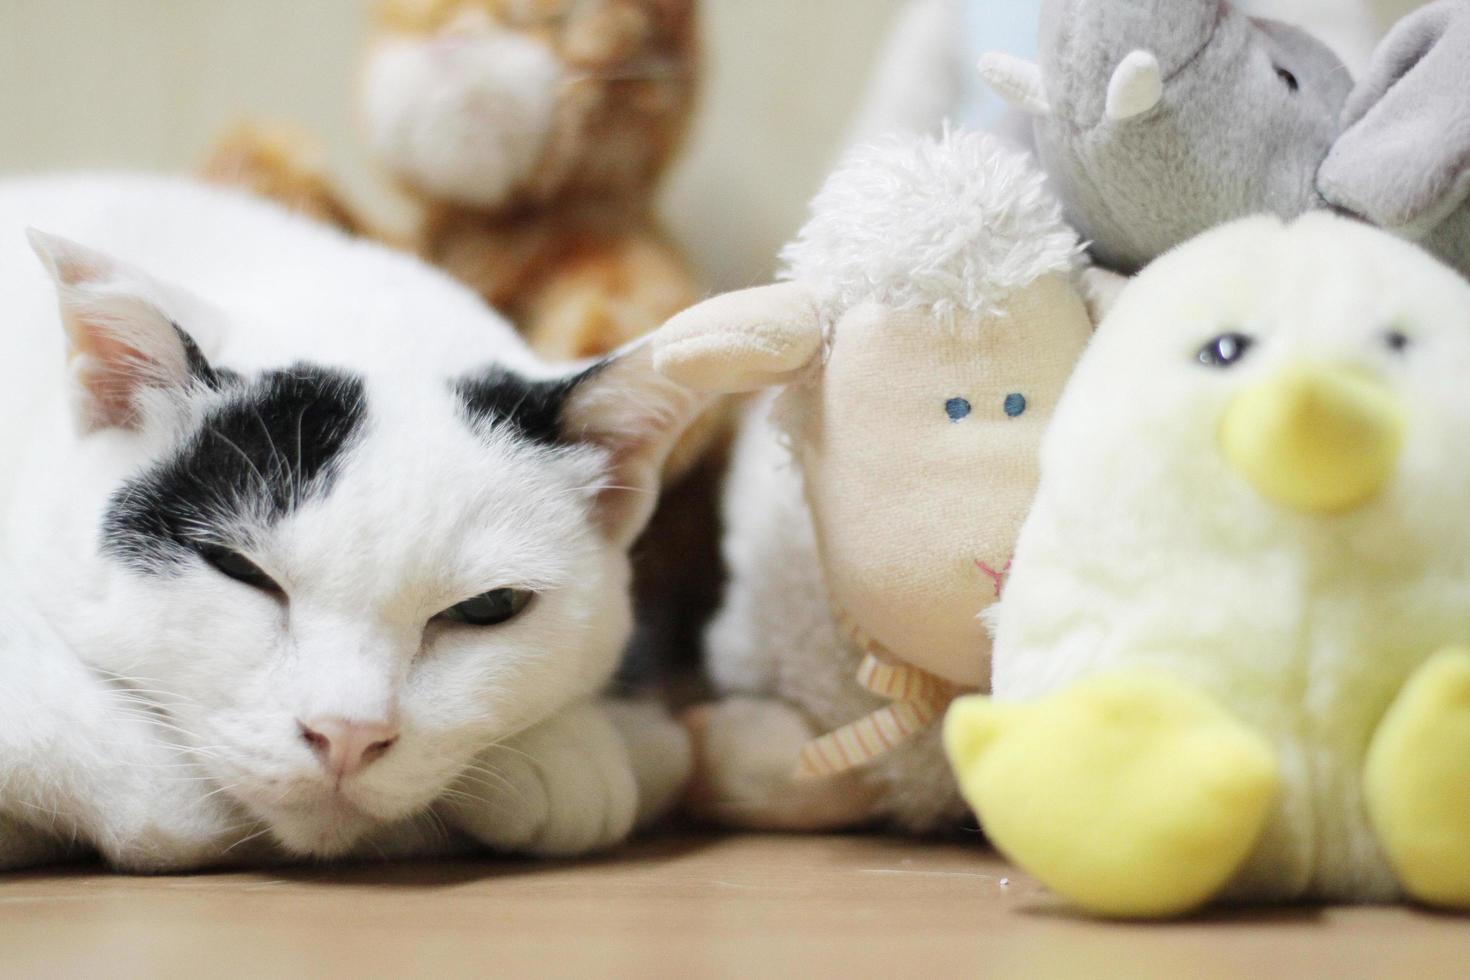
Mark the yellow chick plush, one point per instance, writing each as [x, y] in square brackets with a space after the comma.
[1230, 663]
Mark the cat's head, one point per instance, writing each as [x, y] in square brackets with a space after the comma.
[489, 103]
[337, 588]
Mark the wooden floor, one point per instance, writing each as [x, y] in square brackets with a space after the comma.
[751, 906]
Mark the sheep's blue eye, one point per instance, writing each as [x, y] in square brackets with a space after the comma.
[1015, 404]
[957, 408]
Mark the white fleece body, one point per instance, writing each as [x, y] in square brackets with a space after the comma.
[154, 714]
[1146, 548]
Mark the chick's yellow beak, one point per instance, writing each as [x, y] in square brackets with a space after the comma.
[1314, 438]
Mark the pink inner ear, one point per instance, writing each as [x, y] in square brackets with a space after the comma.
[636, 414]
[111, 371]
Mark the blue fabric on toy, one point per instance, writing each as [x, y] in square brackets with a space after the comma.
[957, 409]
[1015, 404]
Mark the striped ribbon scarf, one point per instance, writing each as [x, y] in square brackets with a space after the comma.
[918, 699]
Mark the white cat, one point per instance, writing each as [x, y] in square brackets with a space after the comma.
[301, 552]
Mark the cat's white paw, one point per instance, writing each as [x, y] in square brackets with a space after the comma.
[171, 832]
[660, 751]
[563, 788]
[160, 816]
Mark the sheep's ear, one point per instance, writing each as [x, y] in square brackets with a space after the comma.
[1403, 160]
[1016, 80]
[634, 413]
[741, 341]
[1136, 87]
[119, 342]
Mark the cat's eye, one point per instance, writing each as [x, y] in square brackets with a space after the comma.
[489, 608]
[1291, 83]
[1225, 350]
[1396, 341]
[235, 565]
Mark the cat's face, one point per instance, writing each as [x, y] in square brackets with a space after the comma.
[341, 588]
[484, 103]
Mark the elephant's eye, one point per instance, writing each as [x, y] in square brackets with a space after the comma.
[1288, 78]
[489, 608]
[957, 409]
[1225, 350]
[1396, 341]
[1015, 404]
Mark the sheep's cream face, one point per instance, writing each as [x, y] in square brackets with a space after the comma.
[1271, 383]
[920, 463]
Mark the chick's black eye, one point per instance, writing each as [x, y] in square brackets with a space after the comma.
[238, 567]
[489, 608]
[1396, 341]
[1225, 350]
[1288, 78]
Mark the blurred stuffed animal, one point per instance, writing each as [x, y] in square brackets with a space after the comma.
[1404, 160]
[1230, 661]
[284, 164]
[1156, 120]
[932, 316]
[534, 132]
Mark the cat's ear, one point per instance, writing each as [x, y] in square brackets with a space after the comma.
[119, 343]
[637, 415]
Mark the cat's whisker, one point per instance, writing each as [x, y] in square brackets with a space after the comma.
[264, 829]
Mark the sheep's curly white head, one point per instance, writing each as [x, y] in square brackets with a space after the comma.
[954, 224]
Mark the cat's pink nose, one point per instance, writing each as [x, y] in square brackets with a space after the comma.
[345, 747]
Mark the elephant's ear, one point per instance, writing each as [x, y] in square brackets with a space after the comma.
[741, 341]
[1403, 161]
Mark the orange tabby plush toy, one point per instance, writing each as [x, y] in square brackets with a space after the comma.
[534, 132]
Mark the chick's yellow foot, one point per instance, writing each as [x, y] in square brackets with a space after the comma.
[1417, 782]
[1132, 795]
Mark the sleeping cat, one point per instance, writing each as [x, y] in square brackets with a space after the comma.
[301, 552]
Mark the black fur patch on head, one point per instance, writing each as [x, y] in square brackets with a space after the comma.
[199, 367]
[532, 409]
[271, 444]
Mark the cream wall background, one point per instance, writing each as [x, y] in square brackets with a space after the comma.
[148, 84]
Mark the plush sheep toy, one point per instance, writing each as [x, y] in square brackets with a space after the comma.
[1157, 120]
[932, 316]
[1228, 663]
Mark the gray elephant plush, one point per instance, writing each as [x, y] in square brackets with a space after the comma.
[1158, 119]
[1403, 160]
